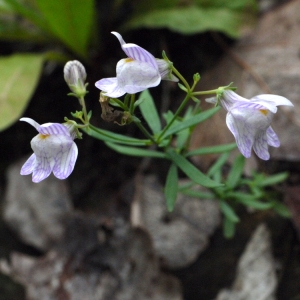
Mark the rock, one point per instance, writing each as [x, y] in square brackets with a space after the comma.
[113, 262]
[266, 61]
[256, 274]
[35, 211]
[178, 237]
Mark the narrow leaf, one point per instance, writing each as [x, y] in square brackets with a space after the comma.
[212, 149]
[107, 136]
[229, 212]
[273, 179]
[149, 111]
[190, 170]
[18, 79]
[236, 171]
[134, 151]
[218, 164]
[228, 228]
[192, 121]
[171, 187]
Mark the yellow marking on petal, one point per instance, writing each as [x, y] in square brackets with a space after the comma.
[43, 136]
[128, 59]
[264, 111]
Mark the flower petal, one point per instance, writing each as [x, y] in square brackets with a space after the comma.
[31, 122]
[42, 168]
[134, 76]
[65, 163]
[243, 134]
[277, 100]
[136, 52]
[272, 138]
[260, 146]
[110, 87]
[28, 166]
[54, 128]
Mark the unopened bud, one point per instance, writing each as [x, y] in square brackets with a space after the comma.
[75, 76]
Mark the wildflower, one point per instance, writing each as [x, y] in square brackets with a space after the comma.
[141, 70]
[54, 151]
[250, 120]
[75, 76]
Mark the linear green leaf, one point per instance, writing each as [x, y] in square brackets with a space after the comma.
[212, 149]
[107, 136]
[134, 151]
[190, 170]
[149, 111]
[171, 187]
[192, 121]
[229, 212]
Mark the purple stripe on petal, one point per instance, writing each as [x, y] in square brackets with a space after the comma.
[53, 129]
[243, 134]
[65, 163]
[42, 169]
[272, 138]
[28, 166]
[260, 146]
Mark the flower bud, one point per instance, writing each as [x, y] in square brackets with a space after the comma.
[75, 76]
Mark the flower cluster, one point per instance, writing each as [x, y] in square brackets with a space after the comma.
[54, 147]
[141, 70]
[250, 120]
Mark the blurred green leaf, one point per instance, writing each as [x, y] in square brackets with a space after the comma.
[18, 79]
[250, 200]
[236, 172]
[229, 212]
[230, 17]
[228, 228]
[218, 164]
[149, 111]
[134, 151]
[281, 209]
[272, 179]
[190, 170]
[197, 194]
[171, 187]
[69, 20]
[212, 149]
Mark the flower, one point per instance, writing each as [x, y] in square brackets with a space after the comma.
[54, 151]
[249, 121]
[75, 76]
[141, 70]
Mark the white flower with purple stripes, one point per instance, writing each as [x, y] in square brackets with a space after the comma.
[141, 70]
[250, 120]
[54, 151]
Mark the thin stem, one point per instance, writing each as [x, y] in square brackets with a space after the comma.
[205, 92]
[179, 110]
[82, 102]
[131, 106]
[138, 123]
[178, 74]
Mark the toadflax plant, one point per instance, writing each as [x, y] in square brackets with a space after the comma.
[248, 120]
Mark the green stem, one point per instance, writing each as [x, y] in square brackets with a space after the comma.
[179, 110]
[85, 117]
[178, 74]
[138, 123]
[205, 92]
[131, 106]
